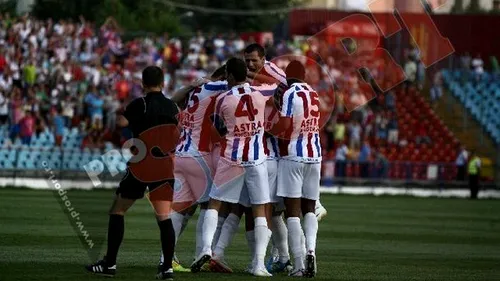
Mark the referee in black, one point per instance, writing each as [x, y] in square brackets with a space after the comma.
[143, 116]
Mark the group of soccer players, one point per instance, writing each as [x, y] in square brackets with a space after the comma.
[249, 145]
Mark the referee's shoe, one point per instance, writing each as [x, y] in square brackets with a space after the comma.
[165, 274]
[102, 268]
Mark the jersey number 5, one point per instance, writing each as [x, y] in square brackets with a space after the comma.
[245, 108]
[194, 101]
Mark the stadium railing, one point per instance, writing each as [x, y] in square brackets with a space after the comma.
[68, 164]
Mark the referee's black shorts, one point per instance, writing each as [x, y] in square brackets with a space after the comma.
[132, 188]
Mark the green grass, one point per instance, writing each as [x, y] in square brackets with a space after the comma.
[362, 238]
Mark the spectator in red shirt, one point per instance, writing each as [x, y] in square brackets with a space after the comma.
[122, 89]
[27, 127]
[422, 136]
[3, 61]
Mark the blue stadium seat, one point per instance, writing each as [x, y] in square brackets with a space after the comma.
[481, 99]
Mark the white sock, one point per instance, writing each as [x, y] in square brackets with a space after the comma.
[303, 243]
[228, 229]
[262, 236]
[274, 250]
[199, 232]
[162, 258]
[251, 242]
[311, 231]
[220, 222]
[295, 235]
[209, 227]
[280, 238]
[177, 219]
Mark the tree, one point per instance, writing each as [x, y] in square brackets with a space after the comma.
[8, 6]
[146, 16]
[224, 22]
[458, 7]
[474, 7]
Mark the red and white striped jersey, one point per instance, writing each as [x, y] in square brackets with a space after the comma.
[270, 69]
[301, 142]
[242, 111]
[196, 123]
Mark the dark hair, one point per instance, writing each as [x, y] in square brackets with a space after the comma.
[152, 76]
[295, 71]
[255, 47]
[237, 68]
[219, 72]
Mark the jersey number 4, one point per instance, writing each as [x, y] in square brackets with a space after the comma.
[245, 108]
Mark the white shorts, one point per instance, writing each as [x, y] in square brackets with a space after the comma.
[193, 178]
[298, 180]
[246, 185]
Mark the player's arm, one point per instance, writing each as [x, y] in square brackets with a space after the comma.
[285, 116]
[217, 118]
[261, 78]
[179, 96]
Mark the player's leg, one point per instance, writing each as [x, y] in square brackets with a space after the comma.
[228, 229]
[228, 184]
[129, 190]
[280, 257]
[179, 222]
[205, 183]
[290, 181]
[295, 235]
[257, 186]
[224, 212]
[199, 228]
[310, 194]
[182, 207]
[209, 227]
[212, 160]
[250, 233]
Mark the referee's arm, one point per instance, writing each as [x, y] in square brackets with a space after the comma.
[121, 121]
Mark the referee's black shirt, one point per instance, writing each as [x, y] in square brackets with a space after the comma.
[152, 110]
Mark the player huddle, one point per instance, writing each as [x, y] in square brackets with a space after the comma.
[249, 144]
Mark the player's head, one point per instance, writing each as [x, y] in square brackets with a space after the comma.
[255, 56]
[219, 74]
[236, 71]
[295, 72]
[152, 79]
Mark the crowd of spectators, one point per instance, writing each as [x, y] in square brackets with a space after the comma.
[57, 75]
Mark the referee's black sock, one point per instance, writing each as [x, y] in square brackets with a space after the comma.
[167, 235]
[116, 228]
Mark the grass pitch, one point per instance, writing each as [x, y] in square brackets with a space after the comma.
[362, 238]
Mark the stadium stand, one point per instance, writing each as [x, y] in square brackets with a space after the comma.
[480, 96]
[92, 74]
